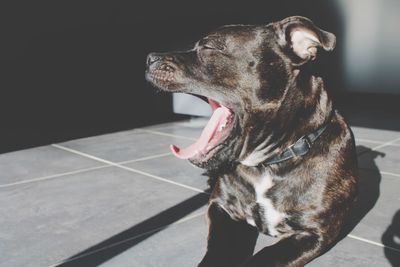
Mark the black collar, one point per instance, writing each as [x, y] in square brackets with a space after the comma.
[297, 149]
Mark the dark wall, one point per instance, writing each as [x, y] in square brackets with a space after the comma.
[72, 69]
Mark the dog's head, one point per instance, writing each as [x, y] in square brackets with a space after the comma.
[250, 75]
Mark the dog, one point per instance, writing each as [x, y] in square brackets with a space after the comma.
[282, 159]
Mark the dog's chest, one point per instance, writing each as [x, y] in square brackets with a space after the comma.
[250, 202]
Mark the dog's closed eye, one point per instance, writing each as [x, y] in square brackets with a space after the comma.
[208, 46]
[211, 44]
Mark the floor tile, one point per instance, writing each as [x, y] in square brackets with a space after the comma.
[375, 134]
[386, 159]
[179, 123]
[184, 132]
[355, 253]
[188, 129]
[46, 222]
[194, 122]
[179, 245]
[378, 203]
[175, 169]
[362, 146]
[123, 146]
[38, 162]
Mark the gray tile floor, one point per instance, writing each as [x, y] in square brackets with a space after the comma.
[122, 199]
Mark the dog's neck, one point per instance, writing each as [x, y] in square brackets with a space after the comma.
[290, 122]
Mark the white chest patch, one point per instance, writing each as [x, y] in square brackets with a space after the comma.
[272, 217]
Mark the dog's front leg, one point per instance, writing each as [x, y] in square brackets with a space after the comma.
[295, 250]
[230, 242]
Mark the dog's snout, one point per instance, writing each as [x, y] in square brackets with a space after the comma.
[151, 58]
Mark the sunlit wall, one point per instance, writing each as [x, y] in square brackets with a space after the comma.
[371, 45]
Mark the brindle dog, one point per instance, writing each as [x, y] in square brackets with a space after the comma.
[283, 160]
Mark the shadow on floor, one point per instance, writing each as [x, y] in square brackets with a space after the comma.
[391, 238]
[368, 191]
[127, 239]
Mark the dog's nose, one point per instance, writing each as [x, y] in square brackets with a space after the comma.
[151, 58]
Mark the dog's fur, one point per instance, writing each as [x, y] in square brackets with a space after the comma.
[263, 74]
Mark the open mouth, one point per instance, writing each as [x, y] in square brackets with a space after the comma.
[215, 132]
[218, 128]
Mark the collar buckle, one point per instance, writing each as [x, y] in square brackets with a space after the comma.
[307, 141]
[290, 148]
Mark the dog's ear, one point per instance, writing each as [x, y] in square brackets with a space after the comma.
[302, 38]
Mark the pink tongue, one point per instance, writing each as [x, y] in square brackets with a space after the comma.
[219, 117]
[214, 105]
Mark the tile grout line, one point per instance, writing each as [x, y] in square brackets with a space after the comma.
[146, 158]
[53, 176]
[373, 141]
[129, 169]
[169, 135]
[57, 175]
[368, 141]
[377, 147]
[185, 219]
[373, 243]
[390, 173]
[385, 144]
